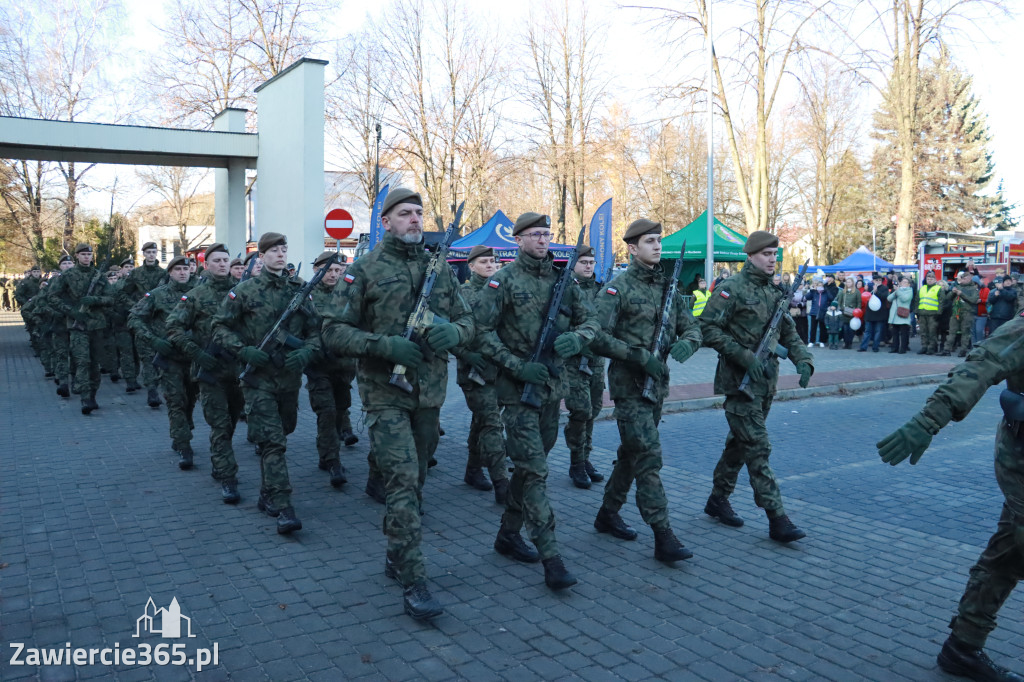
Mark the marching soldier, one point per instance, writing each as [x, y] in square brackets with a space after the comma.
[930, 299]
[1001, 564]
[141, 280]
[630, 310]
[190, 329]
[585, 396]
[511, 315]
[61, 347]
[128, 365]
[367, 321]
[37, 313]
[476, 377]
[271, 393]
[733, 322]
[26, 289]
[148, 319]
[237, 268]
[111, 360]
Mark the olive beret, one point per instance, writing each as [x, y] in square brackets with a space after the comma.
[176, 261]
[587, 251]
[214, 248]
[270, 240]
[127, 261]
[83, 247]
[323, 258]
[249, 256]
[115, 269]
[479, 251]
[34, 268]
[638, 228]
[400, 195]
[149, 245]
[235, 261]
[760, 240]
[528, 220]
[63, 259]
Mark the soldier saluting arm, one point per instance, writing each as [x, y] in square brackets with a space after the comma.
[631, 310]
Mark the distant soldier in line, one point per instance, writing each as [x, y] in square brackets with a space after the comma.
[510, 315]
[630, 310]
[37, 313]
[61, 344]
[127, 362]
[26, 289]
[585, 395]
[190, 329]
[237, 268]
[733, 323]
[111, 360]
[271, 394]
[367, 321]
[486, 441]
[148, 320]
[141, 280]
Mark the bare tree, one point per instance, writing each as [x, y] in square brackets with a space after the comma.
[280, 31]
[177, 186]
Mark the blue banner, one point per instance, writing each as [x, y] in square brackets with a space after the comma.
[601, 240]
[376, 226]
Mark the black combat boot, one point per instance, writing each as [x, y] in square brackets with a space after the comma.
[594, 474]
[475, 478]
[389, 567]
[501, 491]
[962, 353]
[963, 660]
[115, 377]
[719, 508]
[578, 474]
[89, 403]
[556, 575]
[610, 522]
[348, 437]
[783, 530]
[132, 386]
[263, 504]
[667, 547]
[185, 456]
[152, 399]
[48, 375]
[229, 491]
[419, 603]
[338, 477]
[287, 521]
[63, 391]
[511, 544]
[375, 489]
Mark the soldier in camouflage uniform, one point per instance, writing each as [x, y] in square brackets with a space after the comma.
[26, 289]
[38, 316]
[237, 268]
[190, 329]
[510, 315]
[83, 309]
[60, 341]
[271, 392]
[630, 310]
[585, 396]
[476, 377]
[111, 362]
[141, 280]
[148, 320]
[127, 363]
[367, 321]
[1001, 564]
[965, 294]
[733, 323]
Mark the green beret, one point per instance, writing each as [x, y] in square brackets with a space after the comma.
[638, 228]
[115, 269]
[528, 220]
[270, 240]
[81, 248]
[214, 248]
[760, 240]
[149, 245]
[127, 261]
[587, 251]
[323, 258]
[176, 261]
[63, 259]
[249, 256]
[235, 261]
[400, 195]
[479, 251]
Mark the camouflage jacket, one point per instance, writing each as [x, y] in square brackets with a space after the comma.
[629, 310]
[26, 289]
[140, 280]
[591, 288]
[249, 311]
[511, 314]
[969, 295]
[66, 290]
[377, 294]
[117, 313]
[38, 310]
[735, 319]
[148, 317]
[471, 291]
[190, 324]
[326, 362]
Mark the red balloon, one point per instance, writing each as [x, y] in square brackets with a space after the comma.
[858, 313]
[864, 296]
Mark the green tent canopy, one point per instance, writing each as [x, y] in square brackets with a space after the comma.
[728, 246]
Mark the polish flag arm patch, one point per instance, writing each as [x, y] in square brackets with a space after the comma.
[493, 284]
[231, 294]
[184, 298]
[349, 278]
[147, 295]
[723, 294]
[611, 290]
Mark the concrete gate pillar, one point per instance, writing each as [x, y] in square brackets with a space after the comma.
[230, 225]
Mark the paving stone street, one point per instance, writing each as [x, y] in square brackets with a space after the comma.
[97, 519]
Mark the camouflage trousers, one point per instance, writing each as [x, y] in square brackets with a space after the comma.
[122, 354]
[402, 443]
[149, 375]
[638, 458]
[180, 393]
[531, 435]
[963, 325]
[929, 328]
[486, 442]
[271, 416]
[61, 354]
[584, 402]
[747, 443]
[330, 396]
[222, 405]
[85, 347]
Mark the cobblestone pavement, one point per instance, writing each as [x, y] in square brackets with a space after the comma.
[97, 519]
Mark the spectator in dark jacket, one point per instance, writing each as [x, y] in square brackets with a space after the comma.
[819, 298]
[1002, 303]
[798, 304]
[875, 320]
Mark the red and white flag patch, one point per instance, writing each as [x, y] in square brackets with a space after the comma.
[231, 294]
[349, 278]
[184, 298]
[611, 290]
[723, 294]
[147, 295]
[493, 284]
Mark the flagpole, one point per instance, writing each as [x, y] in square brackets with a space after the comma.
[709, 259]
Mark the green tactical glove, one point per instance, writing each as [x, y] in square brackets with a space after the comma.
[401, 350]
[205, 360]
[441, 337]
[533, 373]
[805, 370]
[568, 344]
[79, 315]
[476, 361]
[90, 300]
[254, 356]
[682, 350]
[753, 366]
[654, 366]
[297, 360]
[163, 346]
[910, 440]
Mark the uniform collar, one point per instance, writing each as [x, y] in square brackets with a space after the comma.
[273, 280]
[221, 283]
[756, 275]
[404, 250]
[477, 280]
[180, 287]
[537, 266]
[643, 273]
[324, 286]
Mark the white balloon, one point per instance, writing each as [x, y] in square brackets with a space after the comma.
[855, 323]
[875, 303]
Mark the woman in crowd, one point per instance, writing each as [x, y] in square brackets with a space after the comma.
[848, 300]
[819, 300]
[798, 308]
[899, 315]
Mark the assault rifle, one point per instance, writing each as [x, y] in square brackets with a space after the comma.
[215, 349]
[543, 348]
[278, 339]
[422, 316]
[770, 338]
[585, 361]
[662, 333]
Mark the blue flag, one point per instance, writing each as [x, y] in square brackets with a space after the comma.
[376, 226]
[601, 240]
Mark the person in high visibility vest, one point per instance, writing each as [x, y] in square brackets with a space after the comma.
[930, 298]
[700, 297]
